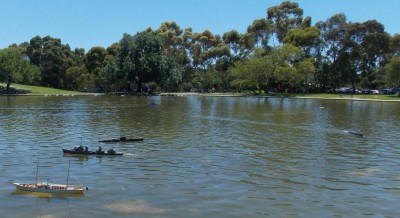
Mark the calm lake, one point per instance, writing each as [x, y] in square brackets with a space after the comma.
[202, 156]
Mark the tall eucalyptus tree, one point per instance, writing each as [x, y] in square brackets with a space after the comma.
[333, 35]
[286, 16]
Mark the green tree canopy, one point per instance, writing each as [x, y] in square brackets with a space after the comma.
[14, 68]
[367, 45]
[306, 38]
[286, 16]
[140, 57]
[53, 58]
[94, 59]
[392, 70]
[261, 30]
[395, 44]
[333, 36]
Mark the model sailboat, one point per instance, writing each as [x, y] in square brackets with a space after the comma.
[47, 187]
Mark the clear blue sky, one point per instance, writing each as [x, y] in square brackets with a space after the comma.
[88, 23]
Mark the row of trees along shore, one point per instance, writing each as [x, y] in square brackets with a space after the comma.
[281, 52]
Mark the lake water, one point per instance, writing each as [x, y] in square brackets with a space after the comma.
[202, 156]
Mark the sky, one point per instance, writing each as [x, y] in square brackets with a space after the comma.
[89, 23]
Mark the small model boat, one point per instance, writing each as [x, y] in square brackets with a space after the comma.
[84, 151]
[46, 187]
[122, 139]
[357, 133]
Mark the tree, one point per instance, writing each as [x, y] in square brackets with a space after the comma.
[53, 58]
[78, 55]
[172, 36]
[94, 59]
[206, 79]
[232, 39]
[113, 50]
[307, 39]
[205, 51]
[246, 43]
[305, 69]
[261, 30]
[175, 58]
[286, 16]
[367, 45]
[111, 78]
[395, 45]
[392, 70]
[333, 35]
[22, 47]
[140, 58]
[306, 22]
[283, 65]
[201, 44]
[285, 59]
[248, 75]
[14, 68]
[173, 42]
[78, 78]
[172, 73]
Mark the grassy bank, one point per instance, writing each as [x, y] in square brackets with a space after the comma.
[37, 90]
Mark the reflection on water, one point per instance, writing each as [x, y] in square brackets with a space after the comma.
[202, 156]
[134, 207]
[46, 195]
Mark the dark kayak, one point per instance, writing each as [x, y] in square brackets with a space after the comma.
[109, 152]
[122, 139]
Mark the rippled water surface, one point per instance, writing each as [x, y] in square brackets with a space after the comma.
[202, 157]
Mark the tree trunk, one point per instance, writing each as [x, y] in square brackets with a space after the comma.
[139, 87]
[8, 87]
[306, 84]
[353, 86]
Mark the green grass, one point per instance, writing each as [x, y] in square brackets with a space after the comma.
[37, 90]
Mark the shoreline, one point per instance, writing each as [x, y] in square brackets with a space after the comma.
[183, 94]
[269, 96]
[349, 99]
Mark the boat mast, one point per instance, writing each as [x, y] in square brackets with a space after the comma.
[37, 170]
[69, 165]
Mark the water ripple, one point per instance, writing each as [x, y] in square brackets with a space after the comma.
[203, 157]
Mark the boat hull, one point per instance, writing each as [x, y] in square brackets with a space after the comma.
[122, 140]
[50, 188]
[67, 151]
[356, 133]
